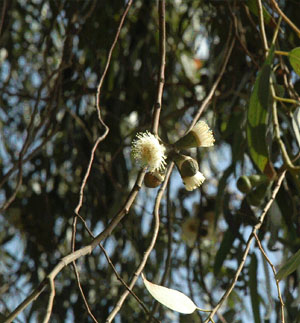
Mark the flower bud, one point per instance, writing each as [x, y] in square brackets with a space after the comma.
[153, 179]
[258, 179]
[256, 196]
[244, 184]
[189, 171]
[189, 167]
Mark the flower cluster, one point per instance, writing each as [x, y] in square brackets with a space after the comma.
[149, 152]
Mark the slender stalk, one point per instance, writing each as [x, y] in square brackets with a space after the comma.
[280, 52]
[161, 73]
[262, 26]
[286, 100]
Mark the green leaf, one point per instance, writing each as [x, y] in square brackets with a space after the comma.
[292, 264]
[257, 118]
[294, 57]
[224, 249]
[221, 190]
[252, 5]
[253, 288]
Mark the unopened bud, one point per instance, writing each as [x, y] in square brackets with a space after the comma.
[189, 167]
[153, 179]
[244, 184]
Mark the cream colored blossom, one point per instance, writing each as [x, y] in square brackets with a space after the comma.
[192, 182]
[200, 136]
[147, 151]
[203, 134]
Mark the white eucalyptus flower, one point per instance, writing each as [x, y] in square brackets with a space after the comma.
[192, 182]
[147, 151]
[203, 134]
[200, 136]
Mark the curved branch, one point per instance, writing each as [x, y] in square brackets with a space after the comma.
[161, 74]
[148, 251]
[81, 252]
[246, 251]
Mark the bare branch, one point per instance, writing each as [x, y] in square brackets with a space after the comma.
[262, 26]
[86, 304]
[83, 251]
[148, 251]
[248, 245]
[50, 301]
[123, 282]
[285, 18]
[161, 74]
[169, 249]
[99, 139]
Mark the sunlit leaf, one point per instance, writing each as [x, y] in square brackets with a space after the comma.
[291, 265]
[171, 298]
[294, 57]
[258, 118]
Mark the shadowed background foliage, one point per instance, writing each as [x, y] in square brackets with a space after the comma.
[52, 54]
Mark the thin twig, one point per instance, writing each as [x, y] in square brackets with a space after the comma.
[87, 173]
[86, 304]
[99, 139]
[161, 74]
[65, 261]
[262, 27]
[50, 301]
[149, 249]
[25, 146]
[115, 271]
[123, 282]
[285, 18]
[216, 83]
[274, 272]
[169, 249]
[247, 248]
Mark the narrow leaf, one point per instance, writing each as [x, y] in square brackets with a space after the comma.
[294, 57]
[291, 265]
[171, 298]
[252, 5]
[220, 194]
[253, 288]
[223, 251]
[257, 118]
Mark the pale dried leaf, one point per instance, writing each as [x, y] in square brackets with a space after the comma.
[171, 298]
